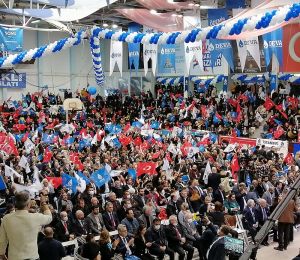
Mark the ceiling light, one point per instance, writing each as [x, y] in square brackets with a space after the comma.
[191, 4]
[152, 11]
[105, 25]
[180, 15]
[114, 26]
[171, 1]
[174, 14]
[196, 5]
[36, 21]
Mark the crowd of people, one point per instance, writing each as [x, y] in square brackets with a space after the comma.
[145, 175]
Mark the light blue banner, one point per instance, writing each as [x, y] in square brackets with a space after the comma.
[273, 82]
[219, 48]
[12, 80]
[11, 39]
[273, 45]
[166, 58]
[134, 48]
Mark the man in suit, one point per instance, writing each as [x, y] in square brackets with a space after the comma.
[251, 194]
[177, 240]
[214, 179]
[219, 194]
[110, 218]
[121, 212]
[125, 245]
[94, 221]
[113, 199]
[240, 195]
[159, 244]
[262, 213]
[146, 218]
[269, 196]
[217, 248]
[63, 227]
[79, 226]
[250, 221]
[184, 198]
[49, 248]
[140, 199]
[172, 208]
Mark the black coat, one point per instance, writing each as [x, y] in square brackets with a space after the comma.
[60, 231]
[108, 223]
[217, 251]
[218, 196]
[51, 249]
[157, 238]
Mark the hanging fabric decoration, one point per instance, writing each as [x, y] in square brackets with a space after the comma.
[116, 56]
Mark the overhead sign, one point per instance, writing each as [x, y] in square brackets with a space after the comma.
[11, 39]
[13, 80]
[291, 48]
[280, 146]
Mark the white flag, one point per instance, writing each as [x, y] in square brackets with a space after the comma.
[24, 163]
[166, 165]
[193, 56]
[32, 189]
[29, 145]
[207, 172]
[36, 178]
[150, 52]
[81, 183]
[116, 56]
[10, 172]
[172, 149]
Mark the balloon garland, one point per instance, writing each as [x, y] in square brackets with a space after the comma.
[97, 64]
[42, 51]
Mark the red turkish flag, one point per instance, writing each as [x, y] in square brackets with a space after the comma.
[235, 166]
[74, 158]
[156, 155]
[280, 109]
[289, 159]
[126, 127]
[137, 141]
[203, 111]
[47, 155]
[268, 103]
[146, 167]
[125, 140]
[232, 102]
[293, 102]
[55, 181]
[145, 145]
[279, 132]
[185, 148]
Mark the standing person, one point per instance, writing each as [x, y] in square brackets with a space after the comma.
[49, 248]
[20, 229]
[284, 224]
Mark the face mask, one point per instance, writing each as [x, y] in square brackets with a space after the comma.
[91, 192]
[157, 227]
[65, 218]
[190, 220]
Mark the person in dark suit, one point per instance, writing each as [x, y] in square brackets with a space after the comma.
[79, 227]
[121, 212]
[147, 217]
[172, 208]
[49, 248]
[110, 218]
[250, 220]
[214, 179]
[140, 199]
[159, 244]
[262, 213]
[217, 248]
[141, 244]
[184, 198]
[90, 250]
[63, 228]
[125, 246]
[217, 217]
[113, 199]
[177, 240]
[94, 221]
[219, 194]
[240, 196]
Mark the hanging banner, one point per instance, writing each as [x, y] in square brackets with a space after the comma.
[116, 56]
[231, 4]
[273, 45]
[291, 48]
[149, 52]
[225, 83]
[166, 58]
[134, 48]
[217, 47]
[273, 83]
[193, 50]
[280, 146]
[11, 39]
[13, 80]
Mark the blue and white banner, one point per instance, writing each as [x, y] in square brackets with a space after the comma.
[149, 52]
[166, 59]
[225, 83]
[116, 56]
[219, 47]
[273, 45]
[11, 39]
[231, 4]
[273, 82]
[12, 80]
[134, 48]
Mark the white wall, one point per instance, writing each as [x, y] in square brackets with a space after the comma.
[69, 69]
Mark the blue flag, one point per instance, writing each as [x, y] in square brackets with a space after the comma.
[100, 177]
[117, 143]
[273, 82]
[70, 140]
[273, 45]
[166, 58]
[132, 173]
[113, 129]
[278, 122]
[155, 125]
[47, 138]
[2, 184]
[216, 120]
[137, 124]
[69, 182]
[248, 180]
[217, 47]
[82, 176]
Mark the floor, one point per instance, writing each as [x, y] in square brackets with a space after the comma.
[269, 253]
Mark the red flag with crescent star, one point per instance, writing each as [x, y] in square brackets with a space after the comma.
[146, 167]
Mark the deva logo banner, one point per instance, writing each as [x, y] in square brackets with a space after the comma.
[13, 80]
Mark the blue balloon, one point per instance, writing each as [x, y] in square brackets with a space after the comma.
[92, 90]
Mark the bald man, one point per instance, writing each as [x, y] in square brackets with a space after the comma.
[49, 248]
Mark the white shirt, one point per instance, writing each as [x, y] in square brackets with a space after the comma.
[20, 229]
